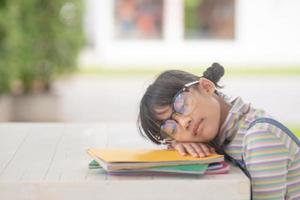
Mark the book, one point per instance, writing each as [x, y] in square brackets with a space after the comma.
[214, 166]
[94, 165]
[122, 159]
[222, 168]
[194, 169]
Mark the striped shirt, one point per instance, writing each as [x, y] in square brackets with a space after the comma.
[272, 158]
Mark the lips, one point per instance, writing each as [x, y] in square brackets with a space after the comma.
[196, 127]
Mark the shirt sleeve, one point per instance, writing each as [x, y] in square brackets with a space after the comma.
[266, 159]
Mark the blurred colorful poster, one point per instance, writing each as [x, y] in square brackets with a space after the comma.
[138, 19]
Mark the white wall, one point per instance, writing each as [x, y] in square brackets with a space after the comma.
[267, 33]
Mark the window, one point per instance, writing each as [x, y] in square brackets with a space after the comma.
[209, 19]
[138, 19]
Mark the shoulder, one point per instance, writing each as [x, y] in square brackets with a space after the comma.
[269, 129]
[260, 131]
[256, 130]
[264, 138]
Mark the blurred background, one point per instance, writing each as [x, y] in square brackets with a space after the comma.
[91, 60]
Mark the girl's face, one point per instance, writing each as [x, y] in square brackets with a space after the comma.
[202, 122]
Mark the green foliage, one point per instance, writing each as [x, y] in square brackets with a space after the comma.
[39, 39]
[4, 73]
[191, 18]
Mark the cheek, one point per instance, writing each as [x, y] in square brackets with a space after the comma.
[209, 132]
[210, 109]
[212, 119]
[215, 114]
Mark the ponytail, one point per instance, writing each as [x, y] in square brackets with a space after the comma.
[214, 73]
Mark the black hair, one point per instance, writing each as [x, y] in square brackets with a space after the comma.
[161, 93]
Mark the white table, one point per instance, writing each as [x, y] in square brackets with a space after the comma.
[48, 161]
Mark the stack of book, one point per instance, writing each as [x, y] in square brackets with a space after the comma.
[145, 161]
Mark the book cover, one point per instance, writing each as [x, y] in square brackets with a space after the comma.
[116, 159]
[194, 169]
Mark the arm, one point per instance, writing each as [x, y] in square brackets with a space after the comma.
[266, 159]
[194, 149]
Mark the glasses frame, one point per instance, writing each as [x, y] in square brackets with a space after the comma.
[185, 88]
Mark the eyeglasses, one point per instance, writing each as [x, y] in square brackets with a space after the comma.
[183, 103]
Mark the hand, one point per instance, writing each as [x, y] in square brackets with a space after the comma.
[192, 148]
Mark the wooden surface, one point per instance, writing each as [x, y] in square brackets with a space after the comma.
[48, 161]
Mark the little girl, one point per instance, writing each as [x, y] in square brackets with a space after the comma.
[190, 114]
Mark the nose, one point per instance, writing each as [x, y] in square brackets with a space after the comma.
[182, 120]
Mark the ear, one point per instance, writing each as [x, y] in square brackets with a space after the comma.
[206, 86]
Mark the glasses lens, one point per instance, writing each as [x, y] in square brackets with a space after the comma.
[183, 103]
[169, 126]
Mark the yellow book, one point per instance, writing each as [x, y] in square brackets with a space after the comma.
[116, 159]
